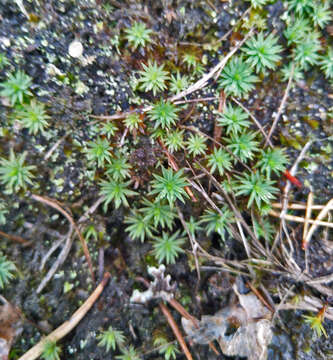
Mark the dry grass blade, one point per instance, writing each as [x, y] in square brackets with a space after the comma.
[69, 325]
[56, 206]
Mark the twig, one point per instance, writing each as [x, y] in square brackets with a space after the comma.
[299, 206]
[54, 205]
[69, 325]
[254, 120]
[306, 226]
[314, 226]
[287, 189]
[60, 260]
[300, 219]
[175, 330]
[54, 147]
[16, 238]
[281, 108]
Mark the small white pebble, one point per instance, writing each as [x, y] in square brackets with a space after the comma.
[75, 49]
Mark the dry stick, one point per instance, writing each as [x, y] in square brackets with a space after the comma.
[313, 228]
[60, 260]
[53, 248]
[54, 205]
[254, 120]
[299, 206]
[175, 330]
[177, 306]
[69, 325]
[299, 219]
[16, 238]
[281, 108]
[306, 226]
[54, 147]
[287, 189]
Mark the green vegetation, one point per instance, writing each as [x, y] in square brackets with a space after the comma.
[243, 145]
[115, 191]
[168, 247]
[3, 212]
[7, 268]
[138, 35]
[99, 151]
[175, 140]
[51, 351]
[14, 174]
[170, 186]
[178, 83]
[237, 78]
[111, 338]
[262, 52]
[316, 324]
[257, 187]
[132, 122]
[196, 145]
[272, 160]
[164, 114]
[33, 117]
[219, 160]
[159, 212]
[217, 222]
[163, 162]
[166, 348]
[139, 227]
[234, 118]
[119, 168]
[16, 88]
[153, 78]
[128, 354]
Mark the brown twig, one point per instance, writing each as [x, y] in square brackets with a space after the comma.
[176, 331]
[179, 307]
[16, 238]
[54, 205]
[69, 325]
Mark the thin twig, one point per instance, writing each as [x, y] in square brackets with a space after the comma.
[254, 120]
[60, 260]
[282, 105]
[300, 219]
[176, 331]
[54, 205]
[314, 226]
[306, 226]
[69, 325]
[16, 238]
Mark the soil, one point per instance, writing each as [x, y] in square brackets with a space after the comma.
[74, 89]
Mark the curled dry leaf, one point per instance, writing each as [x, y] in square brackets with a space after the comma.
[242, 330]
